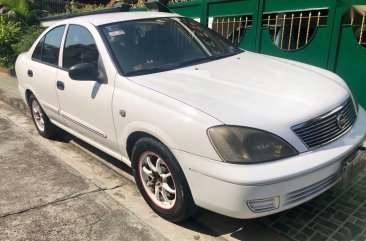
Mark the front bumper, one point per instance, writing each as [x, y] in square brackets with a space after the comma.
[228, 188]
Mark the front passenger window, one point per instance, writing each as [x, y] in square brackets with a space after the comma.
[79, 48]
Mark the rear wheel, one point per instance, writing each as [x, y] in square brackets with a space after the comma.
[161, 180]
[44, 126]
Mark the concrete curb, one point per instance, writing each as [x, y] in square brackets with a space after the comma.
[15, 102]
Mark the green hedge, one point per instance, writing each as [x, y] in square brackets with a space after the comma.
[18, 30]
[15, 38]
[31, 35]
[24, 9]
[10, 33]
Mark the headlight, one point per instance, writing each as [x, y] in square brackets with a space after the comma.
[247, 145]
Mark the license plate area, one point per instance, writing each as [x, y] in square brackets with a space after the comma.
[353, 165]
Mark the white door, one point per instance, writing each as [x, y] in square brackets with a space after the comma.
[86, 106]
[42, 71]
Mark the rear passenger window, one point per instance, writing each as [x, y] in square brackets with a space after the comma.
[79, 47]
[48, 48]
[38, 50]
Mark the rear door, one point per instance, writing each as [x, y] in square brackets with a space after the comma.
[42, 71]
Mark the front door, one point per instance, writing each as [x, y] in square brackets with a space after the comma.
[86, 106]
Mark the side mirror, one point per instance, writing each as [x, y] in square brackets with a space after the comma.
[83, 71]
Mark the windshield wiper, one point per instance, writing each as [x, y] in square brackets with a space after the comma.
[183, 64]
[221, 56]
[204, 59]
[193, 61]
[146, 71]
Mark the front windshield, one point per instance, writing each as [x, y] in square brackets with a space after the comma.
[153, 45]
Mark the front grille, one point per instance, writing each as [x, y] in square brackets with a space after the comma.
[328, 127]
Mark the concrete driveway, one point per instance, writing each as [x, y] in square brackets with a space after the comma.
[43, 198]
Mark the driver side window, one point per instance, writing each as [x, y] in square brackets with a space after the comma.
[79, 48]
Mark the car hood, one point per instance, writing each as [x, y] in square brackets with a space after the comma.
[252, 90]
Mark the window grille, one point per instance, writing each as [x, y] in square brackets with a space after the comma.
[293, 30]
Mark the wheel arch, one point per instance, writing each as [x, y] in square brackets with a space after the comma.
[28, 93]
[135, 131]
[133, 138]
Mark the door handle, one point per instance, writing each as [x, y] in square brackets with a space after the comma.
[60, 85]
[30, 73]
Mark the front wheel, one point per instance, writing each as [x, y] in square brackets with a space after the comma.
[161, 180]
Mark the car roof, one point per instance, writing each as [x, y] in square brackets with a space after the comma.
[105, 18]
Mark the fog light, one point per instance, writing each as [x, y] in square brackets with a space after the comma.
[264, 205]
[364, 143]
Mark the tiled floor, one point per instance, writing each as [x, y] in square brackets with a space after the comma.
[335, 215]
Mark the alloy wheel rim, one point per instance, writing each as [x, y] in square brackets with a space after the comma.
[38, 115]
[157, 180]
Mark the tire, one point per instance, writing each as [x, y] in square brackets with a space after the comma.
[43, 124]
[173, 200]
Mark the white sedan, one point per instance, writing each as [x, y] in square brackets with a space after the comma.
[200, 121]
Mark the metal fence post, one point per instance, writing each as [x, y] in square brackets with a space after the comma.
[204, 12]
[338, 9]
[257, 25]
